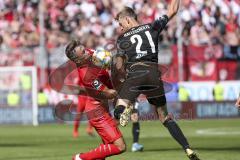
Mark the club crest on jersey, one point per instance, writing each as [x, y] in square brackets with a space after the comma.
[96, 84]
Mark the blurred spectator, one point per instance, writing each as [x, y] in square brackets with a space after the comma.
[13, 99]
[232, 38]
[199, 35]
[204, 22]
[42, 98]
[183, 94]
[3, 47]
[218, 92]
[26, 86]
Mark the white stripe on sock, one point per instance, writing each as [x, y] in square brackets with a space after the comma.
[109, 148]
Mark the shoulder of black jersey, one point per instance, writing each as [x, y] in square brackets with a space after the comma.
[120, 38]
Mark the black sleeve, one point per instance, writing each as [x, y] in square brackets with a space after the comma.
[120, 53]
[160, 23]
[120, 48]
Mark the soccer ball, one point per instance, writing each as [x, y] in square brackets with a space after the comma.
[102, 58]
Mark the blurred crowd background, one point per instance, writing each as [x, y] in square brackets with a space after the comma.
[204, 22]
[207, 29]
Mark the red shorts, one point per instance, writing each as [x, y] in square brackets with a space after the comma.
[107, 128]
[82, 100]
[100, 118]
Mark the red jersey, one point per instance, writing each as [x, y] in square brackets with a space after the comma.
[87, 75]
[97, 111]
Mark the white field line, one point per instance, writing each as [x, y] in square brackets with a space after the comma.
[218, 131]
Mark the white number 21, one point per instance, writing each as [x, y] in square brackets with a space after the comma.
[139, 44]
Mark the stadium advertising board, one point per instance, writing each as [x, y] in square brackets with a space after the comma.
[203, 91]
[216, 110]
[19, 115]
[23, 115]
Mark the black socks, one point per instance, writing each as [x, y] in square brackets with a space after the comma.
[176, 133]
[135, 131]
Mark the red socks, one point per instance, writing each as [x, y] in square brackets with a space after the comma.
[76, 125]
[103, 151]
[89, 128]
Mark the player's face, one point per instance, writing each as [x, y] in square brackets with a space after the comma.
[79, 50]
[81, 54]
[124, 24]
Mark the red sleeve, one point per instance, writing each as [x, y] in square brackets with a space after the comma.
[105, 79]
[87, 75]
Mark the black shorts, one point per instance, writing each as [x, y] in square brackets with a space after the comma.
[143, 78]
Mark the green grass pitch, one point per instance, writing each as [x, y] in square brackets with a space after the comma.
[212, 139]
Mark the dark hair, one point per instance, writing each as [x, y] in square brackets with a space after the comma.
[126, 11]
[70, 49]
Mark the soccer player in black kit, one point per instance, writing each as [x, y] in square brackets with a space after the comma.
[137, 58]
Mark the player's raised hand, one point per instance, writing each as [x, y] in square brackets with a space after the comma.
[173, 8]
[238, 102]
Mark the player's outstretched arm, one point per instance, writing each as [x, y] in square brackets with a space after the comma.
[104, 90]
[118, 72]
[173, 8]
[238, 102]
[120, 64]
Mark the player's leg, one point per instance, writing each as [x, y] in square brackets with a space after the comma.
[135, 129]
[80, 108]
[128, 94]
[157, 98]
[139, 80]
[114, 143]
[90, 130]
[103, 151]
[173, 128]
[123, 111]
[168, 121]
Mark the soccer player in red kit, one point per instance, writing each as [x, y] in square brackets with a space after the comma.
[79, 110]
[95, 109]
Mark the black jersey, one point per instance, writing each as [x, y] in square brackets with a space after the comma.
[141, 43]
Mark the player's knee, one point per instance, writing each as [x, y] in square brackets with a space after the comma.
[168, 118]
[118, 111]
[121, 145]
[163, 113]
[162, 119]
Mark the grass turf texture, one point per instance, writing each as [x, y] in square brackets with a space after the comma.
[55, 142]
